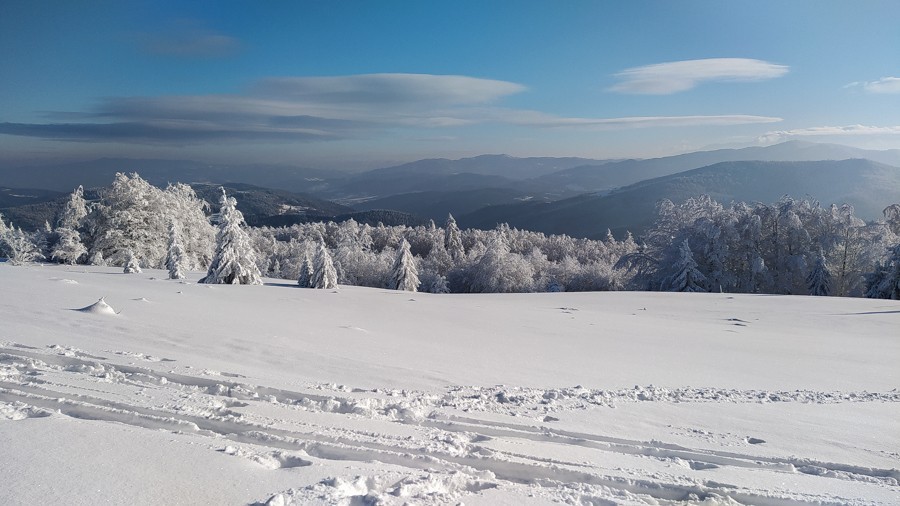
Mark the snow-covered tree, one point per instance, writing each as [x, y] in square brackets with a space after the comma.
[324, 273]
[132, 266]
[404, 275]
[17, 245]
[234, 261]
[74, 211]
[819, 279]
[68, 248]
[175, 254]
[452, 239]
[884, 282]
[686, 277]
[306, 272]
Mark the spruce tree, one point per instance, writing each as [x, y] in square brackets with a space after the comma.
[234, 262]
[453, 239]
[306, 272]
[404, 275]
[324, 273]
[132, 266]
[175, 254]
[686, 277]
[819, 279]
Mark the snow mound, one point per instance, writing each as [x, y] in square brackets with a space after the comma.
[99, 307]
[432, 488]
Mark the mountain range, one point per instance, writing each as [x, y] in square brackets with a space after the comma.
[576, 196]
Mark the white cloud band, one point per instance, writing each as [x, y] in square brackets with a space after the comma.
[673, 77]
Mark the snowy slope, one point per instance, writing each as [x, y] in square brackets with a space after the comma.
[201, 394]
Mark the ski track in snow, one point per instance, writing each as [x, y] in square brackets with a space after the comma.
[445, 434]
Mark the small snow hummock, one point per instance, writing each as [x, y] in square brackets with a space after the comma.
[99, 307]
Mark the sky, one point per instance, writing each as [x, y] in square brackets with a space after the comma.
[337, 84]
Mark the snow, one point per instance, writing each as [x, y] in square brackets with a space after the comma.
[272, 394]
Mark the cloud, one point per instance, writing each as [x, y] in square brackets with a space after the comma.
[388, 89]
[549, 121]
[189, 39]
[324, 108]
[827, 131]
[883, 85]
[673, 77]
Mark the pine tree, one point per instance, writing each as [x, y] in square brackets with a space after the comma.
[324, 273]
[132, 266]
[175, 255]
[453, 239]
[306, 272]
[686, 277]
[819, 279]
[404, 275]
[234, 262]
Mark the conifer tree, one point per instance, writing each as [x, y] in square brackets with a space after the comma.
[132, 266]
[453, 239]
[234, 262]
[324, 273]
[686, 277]
[175, 254]
[306, 272]
[819, 279]
[404, 275]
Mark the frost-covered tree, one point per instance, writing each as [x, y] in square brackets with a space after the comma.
[68, 248]
[686, 277]
[819, 279]
[306, 272]
[175, 254]
[132, 266]
[324, 273]
[404, 275]
[453, 240]
[884, 282]
[133, 215]
[500, 271]
[75, 210]
[234, 262]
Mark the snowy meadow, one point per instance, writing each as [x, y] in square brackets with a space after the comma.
[183, 393]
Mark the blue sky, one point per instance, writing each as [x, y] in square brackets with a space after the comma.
[340, 83]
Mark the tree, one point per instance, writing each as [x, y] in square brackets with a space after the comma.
[686, 277]
[74, 211]
[453, 239]
[884, 282]
[175, 255]
[234, 262]
[819, 279]
[18, 246]
[132, 266]
[68, 248]
[306, 272]
[404, 275]
[324, 273]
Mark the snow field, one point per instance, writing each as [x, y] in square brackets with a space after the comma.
[279, 395]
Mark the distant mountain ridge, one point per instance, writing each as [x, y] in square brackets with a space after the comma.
[869, 186]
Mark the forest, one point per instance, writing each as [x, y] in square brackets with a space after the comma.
[792, 246]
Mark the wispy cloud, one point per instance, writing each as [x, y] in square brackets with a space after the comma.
[883, 85]
[674, 77]
[325, 108]
[829, 131]
[189, 39]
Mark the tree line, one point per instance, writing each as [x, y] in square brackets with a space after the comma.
[793, 246]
